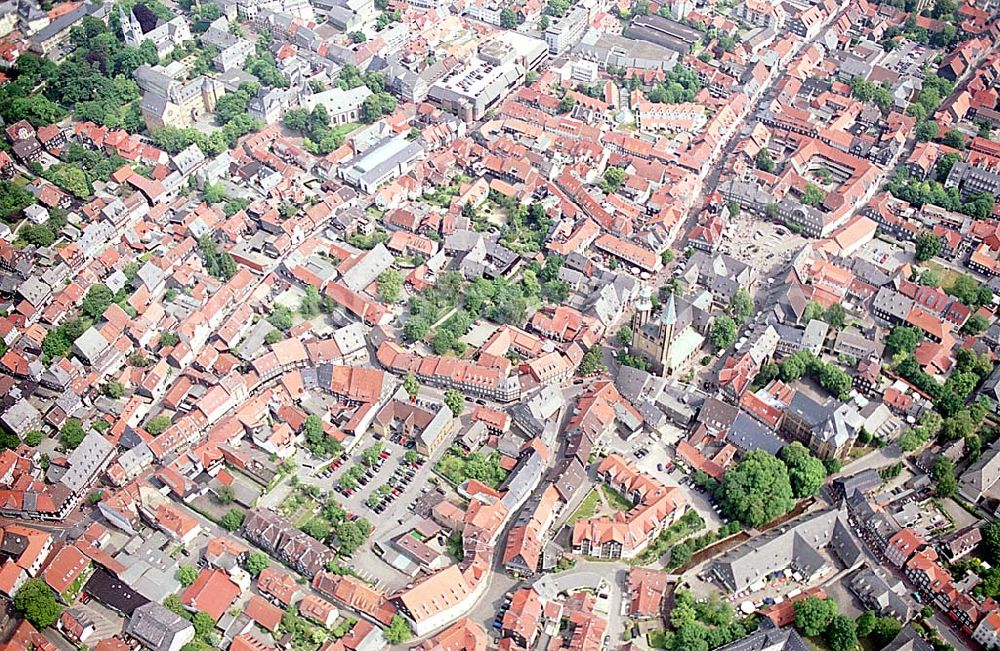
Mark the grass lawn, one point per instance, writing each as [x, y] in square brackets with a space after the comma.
[616, 500]
[946, 274]
[859, 451]
[587, 507]
[345, 129]
[816, 643]
[297, 508]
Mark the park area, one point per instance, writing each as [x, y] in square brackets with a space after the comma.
[456, 467]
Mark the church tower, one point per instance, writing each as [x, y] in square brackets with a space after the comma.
[643, 310]
[131, 29]
[667, 322]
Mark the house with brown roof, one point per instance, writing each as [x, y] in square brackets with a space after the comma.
[521, 621]
[463, 635]
[626, 535]
[646, 589]
[212, 592]
[318, 610]
[265, 614]
[68, 565]
[279, 586]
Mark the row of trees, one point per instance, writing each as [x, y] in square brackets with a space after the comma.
[830, 377]
[977, 205]
[815, 617]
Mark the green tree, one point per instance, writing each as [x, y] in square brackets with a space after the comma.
[886, 628]
[398, 630]
[370, 455]
[390, 286]
[927, 130]
[903, 339]
[113, 389]
[37, 603]
[590, 362]
[566, 104]
[34, 438]
[213, 193]
[257, 563]
[36, 235]
[455, 402]
[508, 19]
[71, 433]
[943, 166]
[813, 615]
[841, 633]
[233, 519]
[806, 473]
[813, 195]
[943, 473]
[954, 138]
[865, 623]
[71, 178]
[203, 624]
[411, 385]
[764, 161]
[614, 178]
[187, 575]
[836, 316]
[813, 311]
[416, 329]
[158, 424]
[97, 300]
[792, 368]
[928, 245]
[624, 335]
[349, 538]
[757, 490]
[225, 494]
[741, 306]
[723, 332]
[976, 324]
[991, 541]
[13, 199]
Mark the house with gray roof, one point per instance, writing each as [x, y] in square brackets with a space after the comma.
[880, 592]
[792, 547]
[368, 268]
[159, 629]
[768, 640]
[21, 418]
[747, 433]
[85, 462]
[981, 477]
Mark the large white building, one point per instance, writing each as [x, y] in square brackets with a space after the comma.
[343, 106]
[566, 31]
[165, 36]
[470, 91]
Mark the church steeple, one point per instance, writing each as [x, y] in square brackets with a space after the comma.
[669, 314]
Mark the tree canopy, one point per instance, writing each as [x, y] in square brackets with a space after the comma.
[757, 490]
[806, 473]
[813, 615]
[37, 602]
